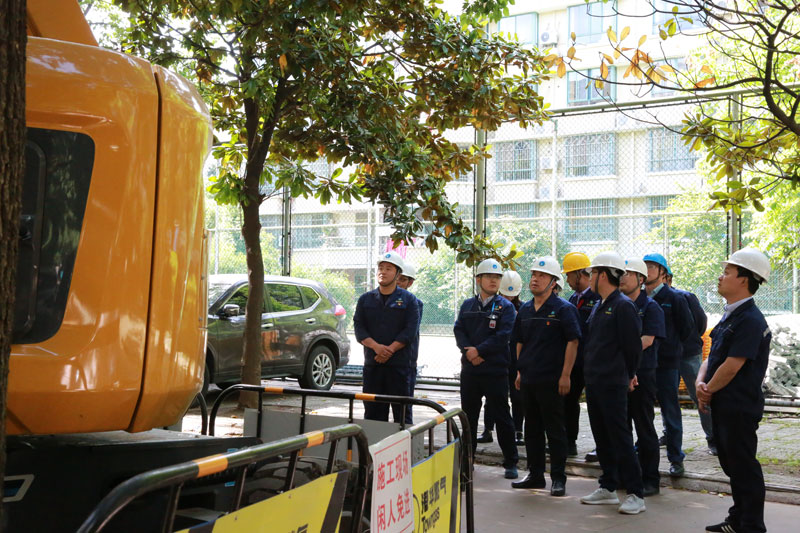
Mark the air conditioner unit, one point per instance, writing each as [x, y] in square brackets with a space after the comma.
[546, 162]
[548, 37]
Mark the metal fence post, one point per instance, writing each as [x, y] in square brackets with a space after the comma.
[480, 186]
[554, 191]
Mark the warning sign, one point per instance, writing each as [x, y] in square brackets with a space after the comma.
[315, 506]
[392, 510]
[436, 492]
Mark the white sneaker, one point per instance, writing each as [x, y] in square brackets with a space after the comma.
[632, 505]
[601, 496]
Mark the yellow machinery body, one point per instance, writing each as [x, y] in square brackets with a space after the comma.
[129, 350]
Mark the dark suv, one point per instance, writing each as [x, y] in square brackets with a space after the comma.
[302, 331]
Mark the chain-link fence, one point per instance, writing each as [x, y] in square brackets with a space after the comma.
[605, 179]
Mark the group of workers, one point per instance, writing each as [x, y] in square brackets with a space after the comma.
[626, 336]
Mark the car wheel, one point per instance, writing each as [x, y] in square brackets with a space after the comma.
[320, 369]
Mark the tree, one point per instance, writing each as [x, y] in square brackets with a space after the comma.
[752, 47]
[12, 168]
[370, 85]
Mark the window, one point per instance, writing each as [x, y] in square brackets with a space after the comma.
[362, 230]
[598, 228]
[677, 63]
[591, 21]
[663, 13]
[320, 167]
[468, 176]
[668, 152]
[582, 87]
[273, 225]
[523, 27]
[309, 237]
[240, 298]
[310, 296]
[656, 204]
[591, 155]
[515, 161]
[514, 210]
[55, 188]
[284, 297]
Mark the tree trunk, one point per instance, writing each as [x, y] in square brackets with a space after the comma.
[12, 169]
[253, 349]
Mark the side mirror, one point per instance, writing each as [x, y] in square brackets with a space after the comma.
[229, 310]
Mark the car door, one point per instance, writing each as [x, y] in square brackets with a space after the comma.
[287, 311]
[229, 335]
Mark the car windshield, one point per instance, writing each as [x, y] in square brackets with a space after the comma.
[215, 290]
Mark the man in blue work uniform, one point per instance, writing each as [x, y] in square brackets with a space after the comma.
[693, 358]
[405, 281]
[575, 268]
[482, 330]
[547, 332]
[386, 322]
[642, 398]
[613, 351]
[679, 324]
[730, 380]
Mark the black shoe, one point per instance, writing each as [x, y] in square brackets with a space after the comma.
[662, 440]
[572, 449]
[520, 441]
[558, 488]
[530, 482]
[722, 527]
[591, 457]
[485, 438]
[712, 450]
[676, 469]
[650, 491]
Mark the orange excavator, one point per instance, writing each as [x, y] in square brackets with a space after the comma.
[110, 315]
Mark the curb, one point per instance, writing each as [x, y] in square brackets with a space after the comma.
[689, 481]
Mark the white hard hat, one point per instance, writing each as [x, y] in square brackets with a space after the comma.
[489, 266]
[636, 264]
[510, 284]
[393, 258]
[409, 270]
[753, 260]
[560, 282]
[547, 264]
[610, 260]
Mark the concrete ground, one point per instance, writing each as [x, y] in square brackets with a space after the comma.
[499, 509]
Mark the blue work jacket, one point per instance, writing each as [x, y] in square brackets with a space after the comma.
[693, 345]
[472, 328]
[679, 322]
[652, 317]
[385, 323]
[585, 306]
[614, 343]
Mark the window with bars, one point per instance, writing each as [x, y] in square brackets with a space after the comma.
[582, 87]
[657, 204]
[598, 228]
[522, 210]
[515, 161]
[668, 152]
[523, 27]
[590, 155]
[590, 22]
[309, 237]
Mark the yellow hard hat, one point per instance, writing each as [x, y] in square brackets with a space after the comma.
[576, 261]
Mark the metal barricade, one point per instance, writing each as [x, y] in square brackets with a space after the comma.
[443, 416]
[175, 476]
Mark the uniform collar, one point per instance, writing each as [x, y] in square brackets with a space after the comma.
[641, 300]
[730, 308]
[656, 290]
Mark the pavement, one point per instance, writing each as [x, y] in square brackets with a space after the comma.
[500, 509]
[778, 451]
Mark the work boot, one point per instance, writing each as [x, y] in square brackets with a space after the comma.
[662, 441]
[485, 438]
[519, 439]
[558, 488]
[591, 457]
[632, 505]
[676, 469]
[651, 491]
[511, 472]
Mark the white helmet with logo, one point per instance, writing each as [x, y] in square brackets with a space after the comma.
[489, 266]
[753, 260]
[548, 265]
[510, 284]
[393, 258]
[409, 270]
[611, 260]
[636, 264]
[560, 282]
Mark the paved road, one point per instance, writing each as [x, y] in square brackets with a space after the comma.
[501, 509]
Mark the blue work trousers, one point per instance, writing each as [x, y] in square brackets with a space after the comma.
[495, 390]
[667, 380]
[689, 368]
